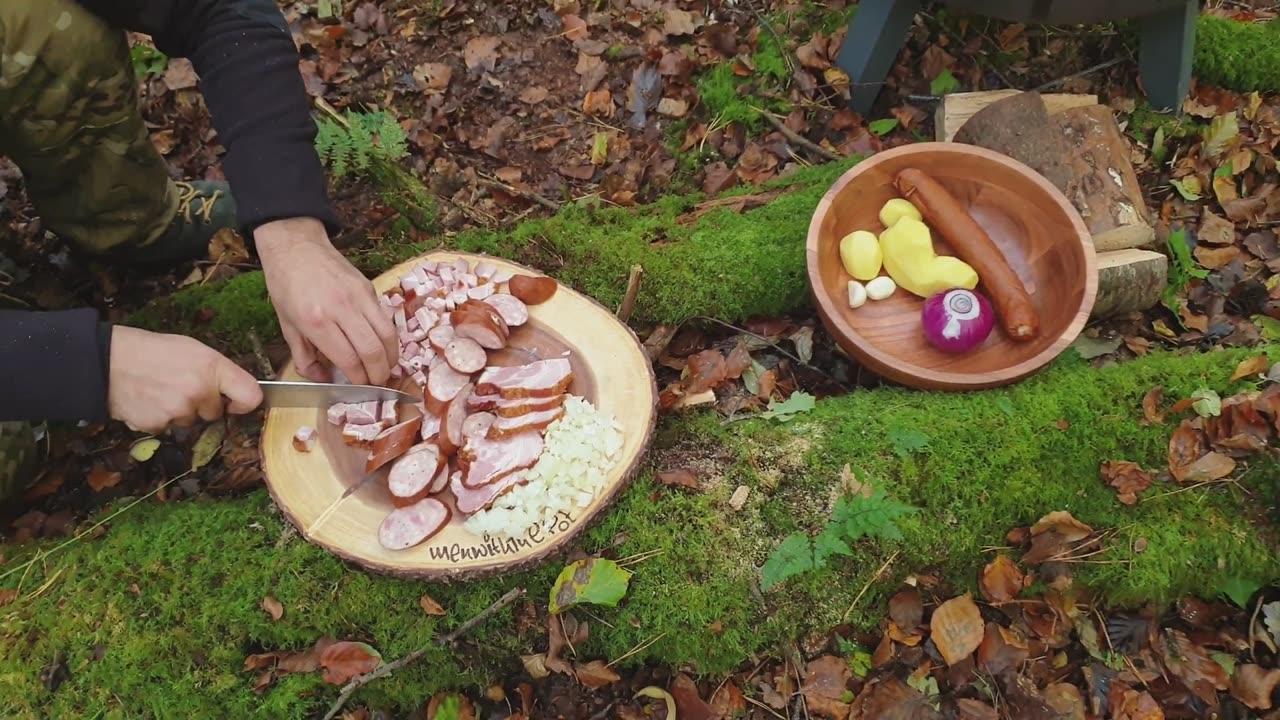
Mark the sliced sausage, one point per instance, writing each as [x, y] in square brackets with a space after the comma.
[408, 526]
[473, 500]
[443, 383]
[414, 471]
[439, 336]
[455, 415]
[480, 292]
[481, 330]
[430, 426]
[502, 407]
[392, 443]
[479, 308]
[513, 311]
[441, 480]
[507, 426]
[465, 355]
[533, 290]
[360, 436]
[492, 460]
[477, 424]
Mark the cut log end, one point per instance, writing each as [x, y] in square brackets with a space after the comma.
[1129, 280]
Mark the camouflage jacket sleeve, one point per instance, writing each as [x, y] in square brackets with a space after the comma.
[54, 365]
[248, 67]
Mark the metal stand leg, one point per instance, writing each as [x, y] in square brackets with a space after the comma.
[1166, 42]
[877, 33]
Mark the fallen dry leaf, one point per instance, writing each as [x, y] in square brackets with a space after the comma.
[825, 684]
[100, 478]
[679, 22]
[975, 710]
[1125, 703]
[575, 28]
[435, 76]
[1215, 230]
[595, 674]
[689, 704]
[7, 597]
[536, 666]
[344, 660]
[892, 699]
[180, 74]
[1212, 466]
[431, 607]
[1002, 650]
[481, 52]
[906, 608]
[273, 607]
[672, 107]
[1065, 700]
[1256, 365]
[533, 95]
[956, 628]
[728, 702]
[1214, 258]
[1001, 580]
[1061, 522]
[683, 477]
[707, 371]
[1128, 478]
[718, 178]
[1253, 685]
[1151, 411]
[598, 102]
[1191, 664]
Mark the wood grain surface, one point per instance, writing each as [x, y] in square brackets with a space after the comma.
[327, 496]
[1040, 234]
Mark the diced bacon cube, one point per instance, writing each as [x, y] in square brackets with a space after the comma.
[362, 413]
[397, 300]
[304, 440]
[501, 276]
[418, 335]
[407, 365]
[337, 414]
[402, 322]
[485, 270]
[458, 297]
[436, 305]
[470, 280]
[423, 277]
[480, 292]
[449, 304]
[409, 283]
[390, 413]
[420, 378]
[446, 274]
[412, 323]
[410, 350]
[426, 318]
[430, 266]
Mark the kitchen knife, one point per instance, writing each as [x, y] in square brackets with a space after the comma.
[321, 395]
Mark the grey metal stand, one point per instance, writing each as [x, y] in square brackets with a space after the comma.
[879, 30]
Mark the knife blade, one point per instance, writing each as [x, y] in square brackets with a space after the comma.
[276, 393]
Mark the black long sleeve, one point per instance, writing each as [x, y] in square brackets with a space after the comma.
[54, 366]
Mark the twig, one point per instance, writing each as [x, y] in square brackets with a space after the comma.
[639, 558]
[633, 291]
[867, 587]
[761, 705]
[264, 365]
[546, 202]
[446, 641]
[331, 112]
[796, 137]
[1087, 71]
[637, 649]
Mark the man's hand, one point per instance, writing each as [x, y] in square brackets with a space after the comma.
[325, 304]
[161, 380]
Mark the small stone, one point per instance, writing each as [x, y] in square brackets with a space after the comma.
[739, 498]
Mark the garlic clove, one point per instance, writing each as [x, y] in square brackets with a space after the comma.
[857, 294]
[881, 288]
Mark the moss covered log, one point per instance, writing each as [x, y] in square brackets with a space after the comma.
[725, 265]
[171, 593]
[1238, 56]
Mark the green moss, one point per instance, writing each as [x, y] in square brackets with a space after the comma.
[1240, 56]
[1144, 121]
[171, 592]
[222, 312]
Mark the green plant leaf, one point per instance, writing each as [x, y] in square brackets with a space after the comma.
[1189, 188]
[1159, 151]
[793, 557]
[1228, 662]
[1207, 404]
[944, 83]
[907, 442]
[450, 708]
[144, 449]
[596, 581]
[799, 402]
[1239, 590]
[600, 149]
[883, 127]
[751, 377]
[1222, 132]
[1091, 347]
[1181, 271]
[875, 516]
[1269, 326]
[208, 444]
[829, 543]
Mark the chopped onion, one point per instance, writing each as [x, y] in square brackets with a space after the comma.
[957, 320]
[579, 451]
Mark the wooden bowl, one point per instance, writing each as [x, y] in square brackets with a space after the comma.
[327, 496]
[1041, 235]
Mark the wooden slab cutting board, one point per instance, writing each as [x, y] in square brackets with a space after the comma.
[327, 496]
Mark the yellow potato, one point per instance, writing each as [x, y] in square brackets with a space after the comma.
[896, 209]
[860, 255]
[909, 259]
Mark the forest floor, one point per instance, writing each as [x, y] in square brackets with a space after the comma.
[1098, 541]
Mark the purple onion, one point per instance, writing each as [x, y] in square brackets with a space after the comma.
[957, 320]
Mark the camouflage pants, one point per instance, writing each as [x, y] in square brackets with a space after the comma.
[69, 119]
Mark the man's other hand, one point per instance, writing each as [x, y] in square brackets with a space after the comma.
[326, 307]
[162, 380]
